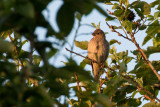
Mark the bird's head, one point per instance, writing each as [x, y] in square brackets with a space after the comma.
[98, 33]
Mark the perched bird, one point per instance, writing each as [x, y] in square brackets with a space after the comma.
[98, 50]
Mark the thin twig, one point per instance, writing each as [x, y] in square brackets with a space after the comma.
[77, 81]
[119, 34]
[78, 87]
[81, 55]
[77, 54]
[146, 96]
[101, 85]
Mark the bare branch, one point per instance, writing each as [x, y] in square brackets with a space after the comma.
[119, 34]
[144, 55]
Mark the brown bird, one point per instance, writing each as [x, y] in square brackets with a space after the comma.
[98, 50]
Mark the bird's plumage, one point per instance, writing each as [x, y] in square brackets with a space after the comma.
[98, 50]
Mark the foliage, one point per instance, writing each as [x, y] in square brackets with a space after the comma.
[28, 79]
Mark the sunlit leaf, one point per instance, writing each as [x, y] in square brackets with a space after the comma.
[144, 6]
[146, 39]
[118, 12]
[157, 14]
[6, 46]
[153, 28]
[151, 104]
[84, 62]
[127, 25]
[81, 44]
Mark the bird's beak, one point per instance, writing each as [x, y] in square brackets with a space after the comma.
[93, 34]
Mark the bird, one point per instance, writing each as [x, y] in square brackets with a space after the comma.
[98, 50]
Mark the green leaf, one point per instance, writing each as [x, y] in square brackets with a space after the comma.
[134, 93]
[153, 4]
[128, 59]
[152, 49]
[112, 85]
[140, 81]
[66, 22]
[51, 52]
[144, 6]
[142, 27]
[156, 15]
[153, 28]
[82, 44]
[24, 42]
[127, 25]
[139, 64]
[83, 94]
[26, 9]
[36, 59]
[118, 12]
[94, 25]
[78, 16]
[150, 17]
[5, 34]
[90, 85]
[108, 3]
[109, 19]
[150, 104]
[103, 100]
[123, 67]
[113, 41]
[84, 62]
[156, 40]
[116, 6]
[86, 103]
[125, 2]
[146, 39]
[6, 46]
[82, 74]
[140, 14]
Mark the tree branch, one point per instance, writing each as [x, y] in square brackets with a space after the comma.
[138, 47]
[101, 85]
[144, 55]
[119, 34]
[77, 81]
[126, 77]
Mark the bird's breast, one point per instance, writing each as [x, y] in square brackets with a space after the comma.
[98, 49]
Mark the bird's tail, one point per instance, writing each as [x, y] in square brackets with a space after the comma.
[96, 69]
